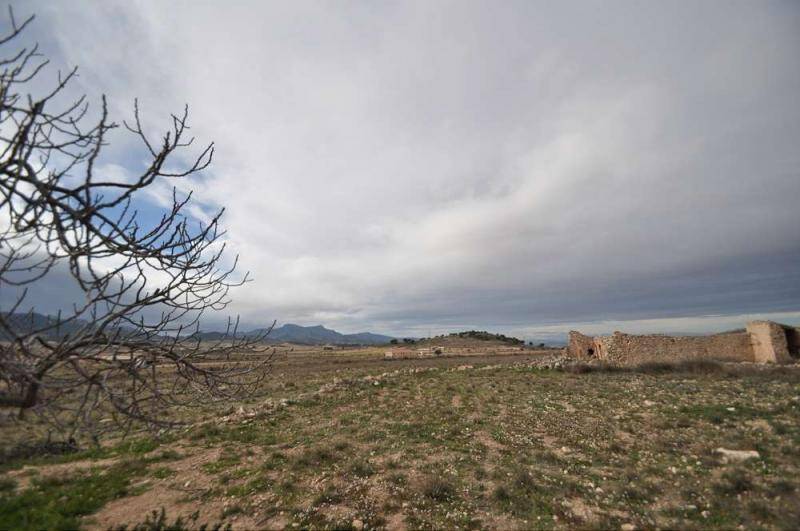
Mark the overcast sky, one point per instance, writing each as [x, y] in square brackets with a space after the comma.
[526, 167]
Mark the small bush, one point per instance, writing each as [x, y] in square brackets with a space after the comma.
[734, 482]
[315, 457]
[439, 489]
[501, 494]
[524, 479]
[341, 446]
[39, 449]
[781, 488]
[398, 479]
[361, 469]
[329, 496]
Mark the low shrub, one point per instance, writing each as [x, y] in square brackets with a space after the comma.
[439, 489]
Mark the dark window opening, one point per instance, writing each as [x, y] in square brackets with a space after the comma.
[590, 352]
[793, 341]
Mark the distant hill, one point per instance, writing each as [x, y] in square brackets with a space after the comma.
[311, 335]
[27, 322]
[288, 333]
[472, 337]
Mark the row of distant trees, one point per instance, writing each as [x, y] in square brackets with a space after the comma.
[480, 335]
[406, 341]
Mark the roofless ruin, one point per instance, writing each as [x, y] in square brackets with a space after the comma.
[760, 342]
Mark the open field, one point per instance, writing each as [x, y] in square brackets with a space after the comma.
[350, 440]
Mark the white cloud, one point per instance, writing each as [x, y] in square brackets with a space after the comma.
[386, 166]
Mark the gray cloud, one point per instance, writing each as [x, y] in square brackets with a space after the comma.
[434, 164]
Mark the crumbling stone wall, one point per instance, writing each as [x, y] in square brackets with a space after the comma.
[581, 346]
[627, 348]
[762, 342]
[772, 342]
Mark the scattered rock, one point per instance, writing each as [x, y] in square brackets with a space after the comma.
[736, 455]
[627, 527]
[358, 525]
[649, 403]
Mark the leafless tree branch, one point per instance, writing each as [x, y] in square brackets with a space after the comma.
[129, 348]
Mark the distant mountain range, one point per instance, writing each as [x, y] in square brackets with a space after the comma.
[288, 333]
[26, 322]
[309, 335]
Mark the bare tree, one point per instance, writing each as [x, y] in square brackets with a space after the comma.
[127, 350]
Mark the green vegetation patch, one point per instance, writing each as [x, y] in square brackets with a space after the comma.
[58, 502]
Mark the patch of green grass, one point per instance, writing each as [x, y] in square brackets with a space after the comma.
[129, 448]
[274, 461]
[162, 473]
[7, 484]
[523, 496]
[316, 457]
[136, 447]
[167, 455]
[60, 502]
[226, 460]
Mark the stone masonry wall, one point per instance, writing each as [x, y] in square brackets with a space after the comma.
[771, 342]
[762, 342]
[581, 346]
[627, 348]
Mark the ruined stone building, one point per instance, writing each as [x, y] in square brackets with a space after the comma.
[760, 342]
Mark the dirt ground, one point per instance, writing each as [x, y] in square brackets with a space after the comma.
[346, 439]
[304, 360]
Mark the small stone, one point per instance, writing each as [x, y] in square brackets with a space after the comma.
[627, 527]
[186, 485]
[358, 525]
[737, 455]
[649, 403]
[705, 514]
